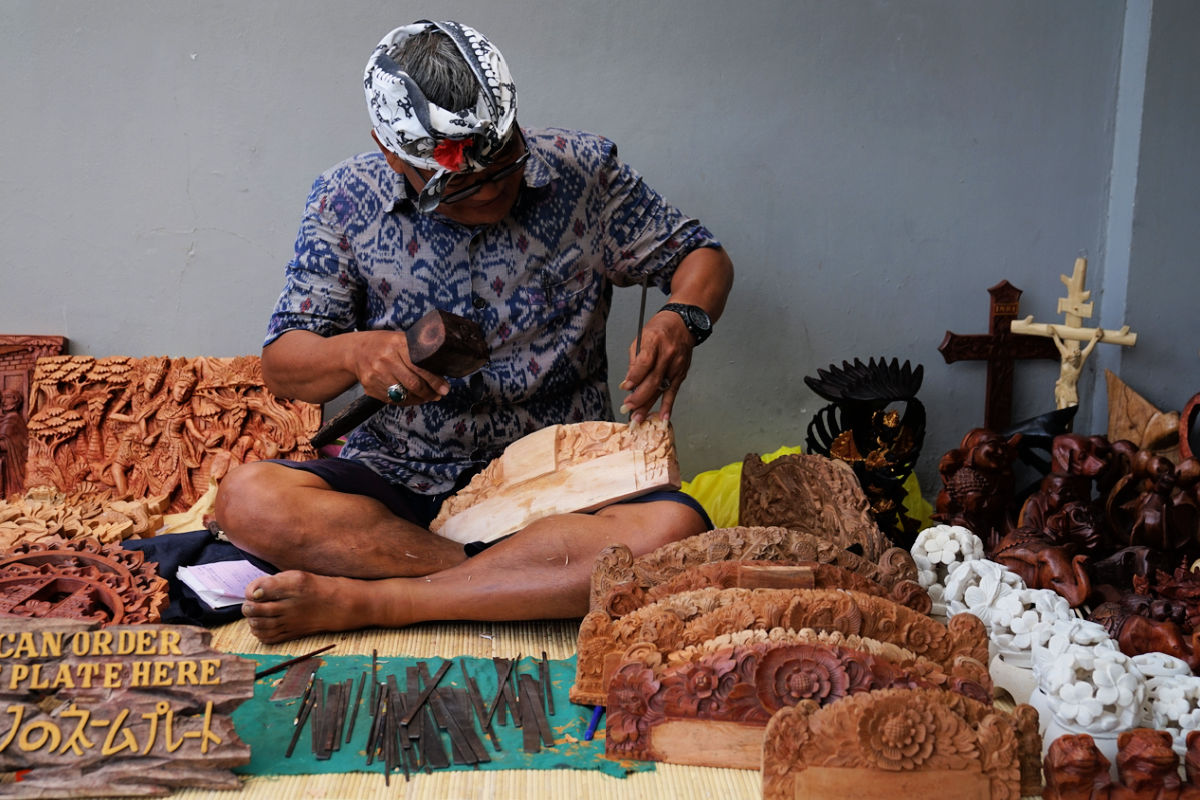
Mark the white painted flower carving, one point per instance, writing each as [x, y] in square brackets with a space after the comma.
[1098, 690]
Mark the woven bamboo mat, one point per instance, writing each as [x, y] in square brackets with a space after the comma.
[485, 640]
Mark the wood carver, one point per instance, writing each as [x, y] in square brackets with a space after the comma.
[693, 617]
[155, 426]
[616, 567]
[557, 470]
[117, 711]
[892, 743]
[725, 696]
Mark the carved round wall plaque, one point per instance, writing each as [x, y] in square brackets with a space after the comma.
[80, 579]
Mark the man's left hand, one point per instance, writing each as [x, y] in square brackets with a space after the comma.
[659, 369]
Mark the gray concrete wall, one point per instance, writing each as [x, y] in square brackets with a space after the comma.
[871, 166]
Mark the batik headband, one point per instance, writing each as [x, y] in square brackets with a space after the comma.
[428, 136]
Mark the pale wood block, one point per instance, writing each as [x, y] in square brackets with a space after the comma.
[559, 470]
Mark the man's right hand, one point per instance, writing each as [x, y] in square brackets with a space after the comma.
[381, 360]
[307, 366]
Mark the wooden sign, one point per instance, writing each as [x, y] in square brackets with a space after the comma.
[123, 710]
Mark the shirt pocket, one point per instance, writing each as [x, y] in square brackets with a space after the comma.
[557, 289]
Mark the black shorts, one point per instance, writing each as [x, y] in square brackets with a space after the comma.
[354, 477]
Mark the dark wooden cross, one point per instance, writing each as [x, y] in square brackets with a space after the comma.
[999, 347]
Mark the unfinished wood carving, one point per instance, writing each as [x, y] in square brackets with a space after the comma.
[616, 566]
[693, 617]
[122, 711]
[814, 494]
[658, 713]
[82, 580]
[558, 470]
[153, 427]
[46, 513]
[927, 743]
[1132, 417]
[626, 597]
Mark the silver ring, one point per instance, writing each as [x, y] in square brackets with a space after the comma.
[397, 393]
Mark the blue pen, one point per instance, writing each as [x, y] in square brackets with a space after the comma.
[590, 733]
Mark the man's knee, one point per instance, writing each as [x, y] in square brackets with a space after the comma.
[247, 500]
[657, 523]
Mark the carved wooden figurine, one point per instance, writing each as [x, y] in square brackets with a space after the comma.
[1075, 769]
[876, 424]
[725, 696]
[156, 426]
[893, 743]
[977, 485]
[616, 566]
[1067, 337]
[693, 617]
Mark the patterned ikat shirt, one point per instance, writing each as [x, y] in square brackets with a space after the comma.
[539, 283]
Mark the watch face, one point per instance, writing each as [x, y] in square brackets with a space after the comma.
[697, 318]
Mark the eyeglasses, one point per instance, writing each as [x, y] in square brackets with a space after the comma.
[499, 175]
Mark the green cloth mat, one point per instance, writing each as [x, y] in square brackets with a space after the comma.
[267, 725]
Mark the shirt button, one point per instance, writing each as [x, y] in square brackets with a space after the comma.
[479, 302]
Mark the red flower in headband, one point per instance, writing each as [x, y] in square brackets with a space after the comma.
[449, 152]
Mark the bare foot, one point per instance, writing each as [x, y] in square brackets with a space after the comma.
[292, 604]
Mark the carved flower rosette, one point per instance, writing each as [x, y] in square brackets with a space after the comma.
[629, 712]
[1051, 638]
[938, 550]
[1094, 691]
[1014, 616]
[1174, 705]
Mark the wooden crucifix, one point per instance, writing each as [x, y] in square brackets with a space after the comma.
[1000, 347]
[1067, 337]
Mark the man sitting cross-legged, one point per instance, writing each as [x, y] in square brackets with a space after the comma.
[524, 232]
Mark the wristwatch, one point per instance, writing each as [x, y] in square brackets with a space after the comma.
[694, 317]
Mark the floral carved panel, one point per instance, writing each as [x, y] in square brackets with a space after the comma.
[689, 618]
[893, 743]
[657, 712]
[616, 565]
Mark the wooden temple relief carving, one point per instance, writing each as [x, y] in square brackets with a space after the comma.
[658, 712]
[689, 618]
[629, 596]
[156, 427]
[559, 470]
[891, 743]
[616, 565]
[809, 493]
[18, 354]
